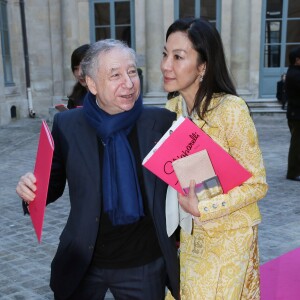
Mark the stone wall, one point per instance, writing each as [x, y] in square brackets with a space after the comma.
[56, 27]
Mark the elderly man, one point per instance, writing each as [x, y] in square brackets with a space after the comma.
[115, 237]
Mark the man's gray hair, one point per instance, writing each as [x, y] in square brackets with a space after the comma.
[92, 62]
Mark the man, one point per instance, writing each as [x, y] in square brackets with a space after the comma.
[280, 91]
[292, 82]
[115, 236]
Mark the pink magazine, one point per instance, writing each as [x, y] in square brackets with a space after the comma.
[184, 138]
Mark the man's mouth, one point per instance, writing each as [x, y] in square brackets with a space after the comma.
[127, 96]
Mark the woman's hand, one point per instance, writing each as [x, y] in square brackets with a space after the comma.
[189, 202]
[26, 187]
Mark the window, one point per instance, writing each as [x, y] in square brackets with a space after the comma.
[112, 19]
[6, 57]
[209, 9]
[282, 31]
[292, 28]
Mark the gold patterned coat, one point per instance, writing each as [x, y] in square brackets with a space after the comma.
[230, 125]
[224, 237]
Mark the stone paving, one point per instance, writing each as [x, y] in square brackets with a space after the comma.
[25, 264]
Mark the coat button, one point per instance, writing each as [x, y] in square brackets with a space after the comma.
[97, 219]
[223, 203]
[215, 206]
[205, 208]
[91, 247]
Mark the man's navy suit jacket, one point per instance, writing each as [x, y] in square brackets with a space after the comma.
[76, 159]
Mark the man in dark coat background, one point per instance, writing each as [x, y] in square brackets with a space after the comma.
[293, 113]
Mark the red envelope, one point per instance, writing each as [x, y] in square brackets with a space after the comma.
[42, 173]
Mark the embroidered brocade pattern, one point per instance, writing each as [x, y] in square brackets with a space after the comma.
[220, 259]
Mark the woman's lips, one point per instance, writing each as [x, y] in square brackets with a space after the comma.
[168, 79]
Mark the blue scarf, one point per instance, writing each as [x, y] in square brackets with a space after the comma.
[122, 198]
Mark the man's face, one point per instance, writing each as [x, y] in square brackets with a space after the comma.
[117, 85]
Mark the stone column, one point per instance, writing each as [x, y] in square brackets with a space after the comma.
[226, 14]
[154, 44]
[140, 31]
[255, 46]
[70, 20]
[75, 32]
[2, 91]
[56, 50]
[240, 43]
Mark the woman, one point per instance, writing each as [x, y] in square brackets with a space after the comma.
[80, 88]
[219, 260]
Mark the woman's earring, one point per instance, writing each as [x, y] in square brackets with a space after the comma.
[200, 78]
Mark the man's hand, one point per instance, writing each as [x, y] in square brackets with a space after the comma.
[189, 202]
[26, 187]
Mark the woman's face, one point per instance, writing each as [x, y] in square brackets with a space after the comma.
[179, 66]
[78, 75]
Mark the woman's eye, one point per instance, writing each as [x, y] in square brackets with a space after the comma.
[177, 57]
[164, 54]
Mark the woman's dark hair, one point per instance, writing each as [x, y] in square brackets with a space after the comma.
[208, 44]
[78, 92]
[78, 55]
[77, 96]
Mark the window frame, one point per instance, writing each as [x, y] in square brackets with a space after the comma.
[198, 11]
[113, 25]
[269, 75]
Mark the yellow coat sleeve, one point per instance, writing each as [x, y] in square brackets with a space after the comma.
[241, 141]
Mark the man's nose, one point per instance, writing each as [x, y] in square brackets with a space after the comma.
[128, 82]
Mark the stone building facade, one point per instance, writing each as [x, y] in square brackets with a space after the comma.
[54, 28]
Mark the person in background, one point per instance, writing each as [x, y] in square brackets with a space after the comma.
[219, 259]
[280, 91]
[79, 90]
[293, 113]
[115, 237]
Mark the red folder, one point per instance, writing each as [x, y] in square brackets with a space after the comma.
[184, 138]
[42, 173]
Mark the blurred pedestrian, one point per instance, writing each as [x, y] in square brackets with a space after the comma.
[293, 113]
[75, 99]
[280, 91]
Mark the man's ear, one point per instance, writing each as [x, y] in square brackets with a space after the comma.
[91, 85]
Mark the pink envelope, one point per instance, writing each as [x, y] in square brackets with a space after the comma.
[184, 138]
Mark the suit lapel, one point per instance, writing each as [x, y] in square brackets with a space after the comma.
[147, 138]
[87, 145]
